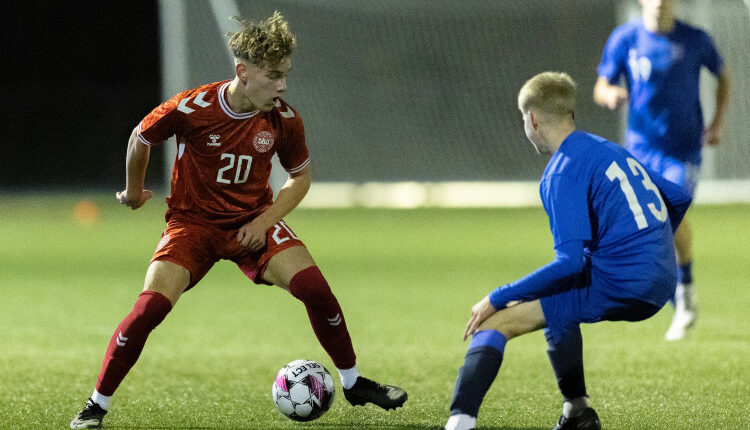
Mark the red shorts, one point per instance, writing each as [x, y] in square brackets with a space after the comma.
[197, 246]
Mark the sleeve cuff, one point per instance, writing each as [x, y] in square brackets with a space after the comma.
[300, 167]
[140, 136]
[498, 299]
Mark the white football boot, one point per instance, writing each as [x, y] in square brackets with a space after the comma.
[685, 312]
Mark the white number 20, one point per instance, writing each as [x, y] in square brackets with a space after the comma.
[615, 172]
[240, 176]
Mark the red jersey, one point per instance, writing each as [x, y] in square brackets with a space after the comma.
[223, 159]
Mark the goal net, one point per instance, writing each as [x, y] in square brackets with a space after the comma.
[412, 103]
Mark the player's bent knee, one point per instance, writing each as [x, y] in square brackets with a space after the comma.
[285, 265]
[151, 307]
[491, 338]
[167, 278]
[516, 320]
[309, 286]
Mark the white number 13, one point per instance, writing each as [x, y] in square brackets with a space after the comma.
[615, 172]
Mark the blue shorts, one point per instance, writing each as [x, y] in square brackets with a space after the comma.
[588, 303]
[682, 173]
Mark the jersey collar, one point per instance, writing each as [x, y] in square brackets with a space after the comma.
[224, 102]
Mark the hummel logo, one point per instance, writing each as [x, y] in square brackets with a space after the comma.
[335, 321]
[121, 339]
[214, 140]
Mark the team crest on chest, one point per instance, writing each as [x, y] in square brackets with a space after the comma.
[263, 141]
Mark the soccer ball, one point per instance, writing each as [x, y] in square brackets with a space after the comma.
[303, 390]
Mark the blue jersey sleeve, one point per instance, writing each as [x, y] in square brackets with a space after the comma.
[614, 57]
[711, 57]
[675, 197]
[547, 280]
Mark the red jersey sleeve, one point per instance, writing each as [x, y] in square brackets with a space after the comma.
[162, 123]
[293, 153]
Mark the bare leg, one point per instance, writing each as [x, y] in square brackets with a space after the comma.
[683, 243]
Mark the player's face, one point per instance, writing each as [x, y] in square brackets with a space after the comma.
[264, 85]
[658, 10]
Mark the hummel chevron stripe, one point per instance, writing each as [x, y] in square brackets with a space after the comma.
[335, 321]
[121, 339]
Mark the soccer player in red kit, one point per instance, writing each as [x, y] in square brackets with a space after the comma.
[221, 207]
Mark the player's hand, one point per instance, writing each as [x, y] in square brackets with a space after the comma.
[711, 135]
[617, 97]
[132, 200]
[479, 312]
[252, 236]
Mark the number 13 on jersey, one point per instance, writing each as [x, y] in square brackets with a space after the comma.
[615, 172]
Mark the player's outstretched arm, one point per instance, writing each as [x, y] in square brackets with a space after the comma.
[253, 234]
[545, 281]
[548, 279]
[712, 133]
[608, 95]
[136, 161]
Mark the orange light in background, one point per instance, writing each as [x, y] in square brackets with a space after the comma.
[85, 212]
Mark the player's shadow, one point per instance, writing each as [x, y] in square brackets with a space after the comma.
[336, 426]
[361, 426]
[348, 426]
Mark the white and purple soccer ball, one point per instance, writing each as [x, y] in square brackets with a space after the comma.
[303, 390]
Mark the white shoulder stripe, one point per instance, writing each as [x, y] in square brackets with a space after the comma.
[300, 167]
[140, 136]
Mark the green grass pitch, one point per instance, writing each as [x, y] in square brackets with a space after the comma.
[406, 281]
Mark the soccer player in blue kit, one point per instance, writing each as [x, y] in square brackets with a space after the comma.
[612, 222]
[660, 59]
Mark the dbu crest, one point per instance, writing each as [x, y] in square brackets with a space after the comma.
[263, 141]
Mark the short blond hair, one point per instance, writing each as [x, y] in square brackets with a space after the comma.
[551, 92]
[263, 43]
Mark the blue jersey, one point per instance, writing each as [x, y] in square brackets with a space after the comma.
[662, 74]
[595, 191]
[608, 212]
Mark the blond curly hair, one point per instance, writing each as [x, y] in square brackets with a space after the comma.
[263, 43]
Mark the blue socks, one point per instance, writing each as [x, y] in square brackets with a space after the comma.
[485, 355]
[685, 273]
[481, 364]
[566, 357]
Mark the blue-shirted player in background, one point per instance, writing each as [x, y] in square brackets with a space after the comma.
[612, 223]
[660, 59]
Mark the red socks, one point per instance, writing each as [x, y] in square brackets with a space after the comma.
[325, 315]
[127, 342]
[151, 308]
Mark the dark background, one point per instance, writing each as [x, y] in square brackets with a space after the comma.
[77, 77]
[389, 91]
[417, 90]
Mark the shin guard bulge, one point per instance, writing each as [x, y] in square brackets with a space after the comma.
[566, 357]
[310, 287]
[127, 342]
